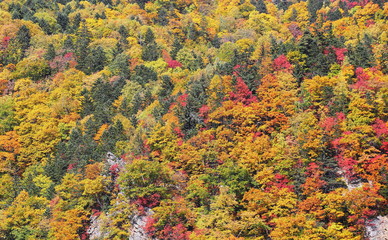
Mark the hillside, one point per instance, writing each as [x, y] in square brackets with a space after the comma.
[193, 119]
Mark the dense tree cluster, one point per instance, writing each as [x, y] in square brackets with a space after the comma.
[230, 119]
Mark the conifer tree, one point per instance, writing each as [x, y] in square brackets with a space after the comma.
[260, 6]
[82, 47]
[23, 37]
[50, 53]
[313, 6]
[150, 51]
[361, 55]
[63, 20]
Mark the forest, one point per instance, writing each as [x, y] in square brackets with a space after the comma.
[193, 119]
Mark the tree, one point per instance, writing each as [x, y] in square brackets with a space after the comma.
[25, 218]
[50, 53]
[260, 6]
[7, 114]
[143, 178]
[23, 37]
[63, 20]
[313, 7]
[361, 55]
[82, 47]
[176, 46]
[95, 61]
[150, 50]
[120, 65]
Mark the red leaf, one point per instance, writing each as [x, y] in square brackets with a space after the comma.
[173, 64]
[380, 128]
[242, 94]
[281, 63]
[182, 100]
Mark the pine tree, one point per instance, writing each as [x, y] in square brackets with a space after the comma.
[82, 47]
[63, 20]
[313, 6]
[176, 46]
[68, 44]
[260, 6]
[76, 21]
[95, 61]
[362, 55]
[120, 65]
[23, 37]
[150, 51]
[50, 53]
[123, 42]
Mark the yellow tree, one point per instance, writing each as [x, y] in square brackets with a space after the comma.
[38, 130]
[25, 217]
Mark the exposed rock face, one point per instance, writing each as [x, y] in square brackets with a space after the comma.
[111, 160]
[96, 229]
[138, 224]
[377, 229]
[95, 232]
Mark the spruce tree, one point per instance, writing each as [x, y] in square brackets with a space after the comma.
[95, 61]
[63, 20]
[82, 47]
[150, 51]
[313, 6]
[361, 55]
[176, 46]
[260, 6]
[50, 53]
[23, 37]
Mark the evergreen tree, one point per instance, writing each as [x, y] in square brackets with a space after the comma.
[164, 96]
[63, 20]
[176, 46]
[316, 62]
[334, 15]
[120, 65]
[82, 47]
[313, 6]
[143, 75]
[123, 37]
[16, 10]
[95, 61]
[141, 3]
[282, 4]
[47, 28]
[162, 17]
[77, 21]
[68, 43]
[50, 53]
[361, 55]
[150, 51]
[23, 37]
[260, 6]
[123, 32]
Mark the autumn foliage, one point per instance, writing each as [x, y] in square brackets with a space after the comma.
[189, 119]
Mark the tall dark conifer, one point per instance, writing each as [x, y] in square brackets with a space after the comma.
[82, 47]
[150, 51]
[260, 6]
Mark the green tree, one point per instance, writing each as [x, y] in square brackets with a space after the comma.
[150, 50]
[361, 55]
[259, 5]
[50, 53]
[82, 47]
[120, 65]
[23, 37]
[313, 6]
[143, 178]
[95, 61]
